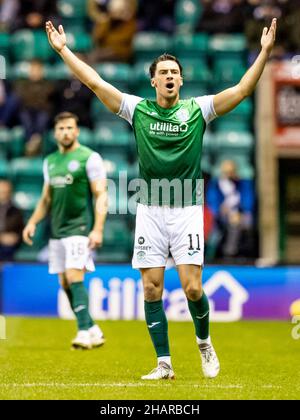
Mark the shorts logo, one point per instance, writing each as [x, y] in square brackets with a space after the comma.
[141, 240]
[141, 255]
[73, 165]
[192, 253]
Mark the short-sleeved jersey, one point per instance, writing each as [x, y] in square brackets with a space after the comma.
[169, 145]
[69, 176]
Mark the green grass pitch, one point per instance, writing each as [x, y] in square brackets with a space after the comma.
[259, 360]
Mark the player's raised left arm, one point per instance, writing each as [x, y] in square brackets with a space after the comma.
[228, 99]
[99, 191]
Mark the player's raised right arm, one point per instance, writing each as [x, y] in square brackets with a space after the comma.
[108, 94]
[38, 215]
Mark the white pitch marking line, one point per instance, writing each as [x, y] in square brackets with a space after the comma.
[125, 385]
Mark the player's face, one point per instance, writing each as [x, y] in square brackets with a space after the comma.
[167, 80]
[66, 132]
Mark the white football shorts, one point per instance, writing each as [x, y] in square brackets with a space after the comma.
[163, 230]
[67, 253]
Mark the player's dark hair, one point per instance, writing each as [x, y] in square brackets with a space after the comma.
[164, 57]
[64, 115]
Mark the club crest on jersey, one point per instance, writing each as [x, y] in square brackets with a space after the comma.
[73, 165]
[183, 115]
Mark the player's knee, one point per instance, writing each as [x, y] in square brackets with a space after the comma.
[193, 291]
[152, 292]
[74, 276]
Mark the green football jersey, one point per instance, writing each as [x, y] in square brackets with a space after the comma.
[69, 175]
[169, 145]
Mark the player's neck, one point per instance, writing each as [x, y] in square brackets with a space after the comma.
[167, 102]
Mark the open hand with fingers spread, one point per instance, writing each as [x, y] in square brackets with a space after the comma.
[268, 37]
[57, 39]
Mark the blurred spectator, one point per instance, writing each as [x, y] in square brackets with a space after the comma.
[73, 96]
[34, 94]
[259, 15]
[231, 201]
[11, 223]
[32, 14]
[114, 29]
[156, 15]
[221, 16]
[9, 105]
[8, 13]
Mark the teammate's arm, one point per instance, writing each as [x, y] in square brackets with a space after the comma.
[99, 191]
[108, 94]
[228, 99]
[38, 215]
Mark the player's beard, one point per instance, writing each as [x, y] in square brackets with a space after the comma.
[68, 145]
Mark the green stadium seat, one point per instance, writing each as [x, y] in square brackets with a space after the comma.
[100, 113]
[86, 137]
[149, 45]
[191, 45]
[115, 162]
[226, 123]
[4, 43]
[4, 168]
[112, 135]
[58, 71]
[228, 71]
[195, 70]
[234, 143]
[192, 90]
[20, 70]
[118, 74]
[27, 44]
[117, 242]
[187, 15]
[146, 92]
[225, 45]
[27, 174]
[5, 139]
[72, 8]
[79, 42]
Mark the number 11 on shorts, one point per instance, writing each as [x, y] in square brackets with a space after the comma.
[197, 240]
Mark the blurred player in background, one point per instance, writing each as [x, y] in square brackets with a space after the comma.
[169, 134]
[73, 176]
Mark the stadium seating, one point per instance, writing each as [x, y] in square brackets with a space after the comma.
[149, 45]
[27, 44]
[117, 245]
[187, 15]
[191, 45]
[227, 46]
[116, 73]
[27, 174]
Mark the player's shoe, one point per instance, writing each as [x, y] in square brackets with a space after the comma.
[162, 371]
[96, 336]
[82, 341]
[210, 362]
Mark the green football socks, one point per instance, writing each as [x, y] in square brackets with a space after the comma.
[79, 301]
[158, 327]
[200, 314]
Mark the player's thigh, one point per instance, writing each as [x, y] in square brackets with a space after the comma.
[191, 280]
[187, 236]
[63, 280]
[73, 275]
[151, 246]
[153, 282]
